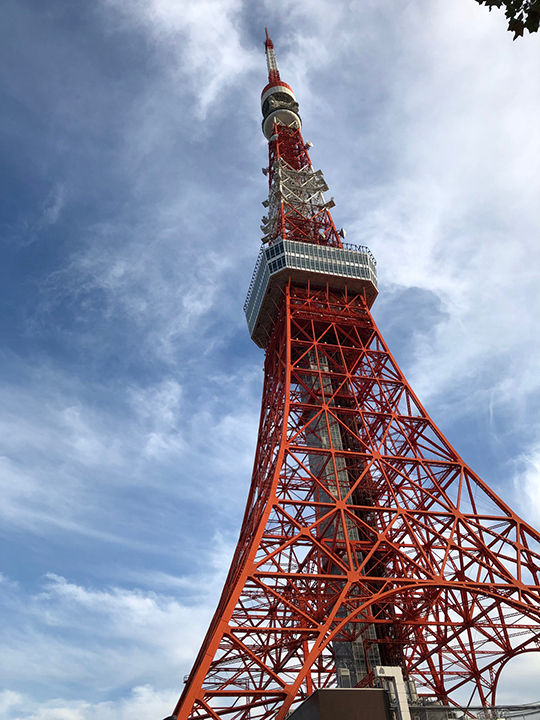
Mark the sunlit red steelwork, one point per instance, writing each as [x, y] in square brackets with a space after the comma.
[366, 538]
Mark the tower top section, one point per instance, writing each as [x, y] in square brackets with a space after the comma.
[277, 99]
[271, 62]
[300, 242]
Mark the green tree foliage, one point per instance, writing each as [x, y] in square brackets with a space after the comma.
[522, 14]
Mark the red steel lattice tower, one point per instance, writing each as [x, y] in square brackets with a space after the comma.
[366, 539]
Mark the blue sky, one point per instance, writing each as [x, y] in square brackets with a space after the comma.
[130, 212]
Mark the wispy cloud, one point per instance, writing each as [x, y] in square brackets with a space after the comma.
[31, 227]
[527, 482]
[60, 456]
[457, 217]
[141, 703]
[70, 635]
[203, 40]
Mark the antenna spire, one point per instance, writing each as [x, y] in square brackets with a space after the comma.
[271, 62]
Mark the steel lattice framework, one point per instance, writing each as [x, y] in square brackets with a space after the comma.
[364, 529]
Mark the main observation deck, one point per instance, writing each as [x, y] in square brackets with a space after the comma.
[352, 266]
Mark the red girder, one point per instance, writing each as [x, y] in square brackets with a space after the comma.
[360, 515]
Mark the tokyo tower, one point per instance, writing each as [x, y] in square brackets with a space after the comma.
[366, 541]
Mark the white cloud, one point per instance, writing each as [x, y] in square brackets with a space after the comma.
[143, 702]
[458, 216]
[53, 206]
[527, 483]
[204, 37]
[138, 275]
[9, 701]
[67, 461]
[159, 409]
[53, 448]
[148, 622]
[105, 638]
[40, 219]
[518, 683]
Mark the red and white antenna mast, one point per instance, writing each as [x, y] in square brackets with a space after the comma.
[271, 63]
[298, 210]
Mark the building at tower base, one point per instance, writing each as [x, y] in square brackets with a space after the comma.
[334, 704]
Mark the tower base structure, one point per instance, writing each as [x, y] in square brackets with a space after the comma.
[342, 704]
[364, 528]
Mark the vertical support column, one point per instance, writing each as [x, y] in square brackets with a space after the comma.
[395, 674]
